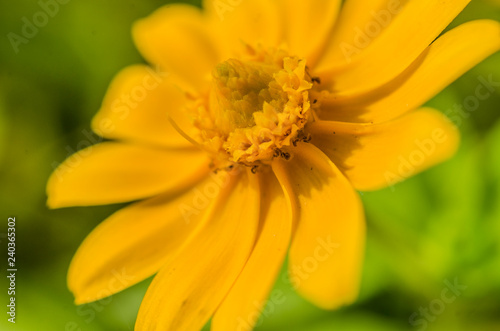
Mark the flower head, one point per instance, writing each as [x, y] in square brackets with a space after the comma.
[249, 140]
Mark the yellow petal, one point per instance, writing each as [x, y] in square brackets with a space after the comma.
[135, 242]
[357, 18]
[113, 172]
[186, 293]
[137, 106]
[376, 156]
[327, 249]
[308, 25]
[444, 61]
[241, 308]
[178, 38]
[240, 22]
[411, 31]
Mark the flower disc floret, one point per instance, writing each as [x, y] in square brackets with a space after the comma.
[254, 108]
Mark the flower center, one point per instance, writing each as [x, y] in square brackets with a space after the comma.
[254, 108]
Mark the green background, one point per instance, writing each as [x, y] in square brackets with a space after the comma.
[441, 225]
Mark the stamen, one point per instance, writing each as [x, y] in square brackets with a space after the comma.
[185, 135]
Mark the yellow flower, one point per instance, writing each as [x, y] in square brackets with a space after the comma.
[252, 134]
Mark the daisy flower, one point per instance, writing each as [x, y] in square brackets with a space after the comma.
[248, 141]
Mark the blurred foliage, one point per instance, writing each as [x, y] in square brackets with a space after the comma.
[441, 225]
